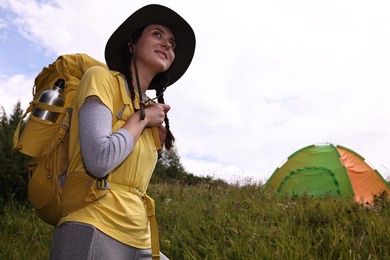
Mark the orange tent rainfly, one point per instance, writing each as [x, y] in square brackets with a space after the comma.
[328, 169]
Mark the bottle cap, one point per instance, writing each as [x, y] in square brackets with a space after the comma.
[60, 83]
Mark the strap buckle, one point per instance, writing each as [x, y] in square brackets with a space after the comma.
[102, 184]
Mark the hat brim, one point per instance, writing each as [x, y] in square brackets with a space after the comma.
[153, 14]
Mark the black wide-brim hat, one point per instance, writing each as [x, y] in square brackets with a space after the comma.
[153, 14]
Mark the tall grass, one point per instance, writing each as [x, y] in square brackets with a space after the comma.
[22, 234]
[230, 222]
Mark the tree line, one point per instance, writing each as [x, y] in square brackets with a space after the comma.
[13, 165]
[14, 175]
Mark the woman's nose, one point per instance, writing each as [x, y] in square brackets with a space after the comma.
[166, 44]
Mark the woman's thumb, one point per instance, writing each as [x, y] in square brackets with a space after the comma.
[166, 107]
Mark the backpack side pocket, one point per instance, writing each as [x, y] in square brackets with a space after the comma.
[48, 176]
[36, 135]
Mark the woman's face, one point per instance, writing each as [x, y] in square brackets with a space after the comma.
[155, 48]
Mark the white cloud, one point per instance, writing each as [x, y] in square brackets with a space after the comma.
[13, 89]
[268, 78]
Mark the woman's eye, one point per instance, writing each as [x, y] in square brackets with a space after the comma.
[157, 34]
[173, 44]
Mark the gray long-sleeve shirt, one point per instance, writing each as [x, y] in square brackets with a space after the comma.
[101, 150]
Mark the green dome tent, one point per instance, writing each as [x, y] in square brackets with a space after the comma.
[328, 169]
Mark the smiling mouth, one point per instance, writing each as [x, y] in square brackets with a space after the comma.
[163, 54]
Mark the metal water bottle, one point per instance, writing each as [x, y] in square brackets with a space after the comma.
[52, 97]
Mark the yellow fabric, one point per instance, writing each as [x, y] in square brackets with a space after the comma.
[47, 142]
[151, 212]
[119, 214]
[39, 137]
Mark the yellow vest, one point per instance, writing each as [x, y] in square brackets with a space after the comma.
[118, 213]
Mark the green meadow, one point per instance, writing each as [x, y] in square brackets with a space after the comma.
[220, 221]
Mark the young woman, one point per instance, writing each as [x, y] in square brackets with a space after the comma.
[115, 135]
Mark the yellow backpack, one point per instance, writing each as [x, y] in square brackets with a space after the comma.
[46, 142]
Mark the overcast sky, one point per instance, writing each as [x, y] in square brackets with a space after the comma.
[268, 77]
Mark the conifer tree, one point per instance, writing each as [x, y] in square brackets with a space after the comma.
[13, 165]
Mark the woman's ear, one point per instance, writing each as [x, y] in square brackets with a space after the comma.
[130, 47]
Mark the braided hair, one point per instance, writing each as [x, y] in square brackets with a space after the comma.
[159, 82]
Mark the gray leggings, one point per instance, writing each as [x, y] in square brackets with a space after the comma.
[73, 240]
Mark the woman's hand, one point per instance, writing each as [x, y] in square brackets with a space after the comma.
[155, 114]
